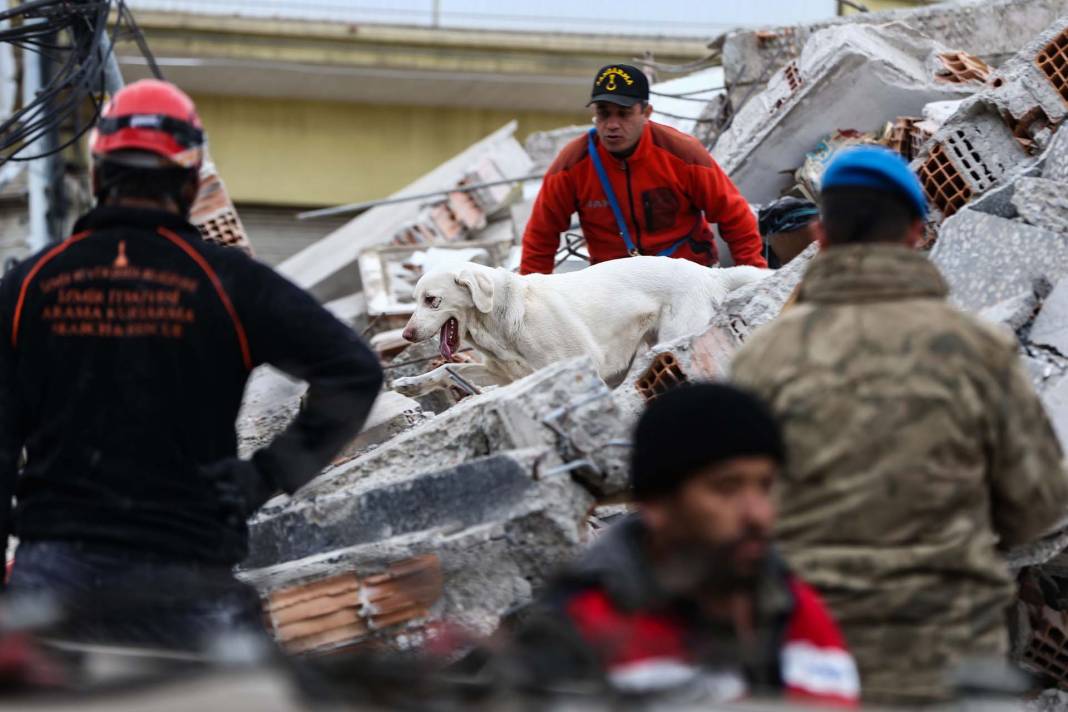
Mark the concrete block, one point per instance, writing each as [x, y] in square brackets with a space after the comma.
[847, 77]
[1042, 202]
[511, 417]
[481, 537]
[987, 259]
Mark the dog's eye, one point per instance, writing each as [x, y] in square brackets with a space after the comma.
[432, 302]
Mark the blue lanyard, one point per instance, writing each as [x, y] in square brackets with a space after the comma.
[610, 194]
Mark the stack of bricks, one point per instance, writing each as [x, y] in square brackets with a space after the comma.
[344, 610]
[214, 213]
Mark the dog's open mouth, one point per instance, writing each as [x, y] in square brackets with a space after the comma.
[450, 338]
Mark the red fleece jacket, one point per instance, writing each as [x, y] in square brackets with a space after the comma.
[668, 189]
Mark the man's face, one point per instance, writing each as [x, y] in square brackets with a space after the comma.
[620, 127]
[716, 528]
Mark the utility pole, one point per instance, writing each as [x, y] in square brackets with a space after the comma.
[38, 170]
[436, 18]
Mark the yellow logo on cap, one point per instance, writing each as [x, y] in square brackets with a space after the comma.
[610, 74]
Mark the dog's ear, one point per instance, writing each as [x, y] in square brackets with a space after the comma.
[480, 286]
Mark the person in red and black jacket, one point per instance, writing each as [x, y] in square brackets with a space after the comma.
[666, 186]
[687, 593]
[126, 350]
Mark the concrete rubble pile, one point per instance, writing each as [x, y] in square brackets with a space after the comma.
[458, 519]
[850, 76]
[449, 512]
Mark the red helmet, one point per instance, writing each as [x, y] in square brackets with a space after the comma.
[153, 116]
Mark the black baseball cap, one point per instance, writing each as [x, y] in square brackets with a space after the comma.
[620, 84]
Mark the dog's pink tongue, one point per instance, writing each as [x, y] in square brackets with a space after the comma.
[444, 346]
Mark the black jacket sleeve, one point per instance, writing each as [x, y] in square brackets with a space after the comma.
[290, 330]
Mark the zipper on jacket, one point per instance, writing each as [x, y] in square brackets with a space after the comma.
[633, 217]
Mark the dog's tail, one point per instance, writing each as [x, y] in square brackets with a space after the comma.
[742, 275]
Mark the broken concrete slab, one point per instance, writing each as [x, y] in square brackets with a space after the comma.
[491, 531]
[460, 496]
[987, 259]
[847, 77]
[565, 406]
[1042, 202]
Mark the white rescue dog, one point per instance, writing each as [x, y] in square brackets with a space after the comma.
[520, 324]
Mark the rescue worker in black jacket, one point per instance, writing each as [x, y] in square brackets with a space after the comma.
[124, 353]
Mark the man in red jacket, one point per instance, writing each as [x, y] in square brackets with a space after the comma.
[665, 188]
[687, 593]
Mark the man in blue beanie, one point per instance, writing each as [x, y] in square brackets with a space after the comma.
[688, 592]
[918, 448]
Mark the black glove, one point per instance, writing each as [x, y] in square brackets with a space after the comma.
[241, 487]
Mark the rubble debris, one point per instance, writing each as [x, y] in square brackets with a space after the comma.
[344, 608]
[565, 407]
[272, 400]
[987, 259]
[992, 31]
[312, 267]
[1000, 129]
[847, 76]
[494, 528]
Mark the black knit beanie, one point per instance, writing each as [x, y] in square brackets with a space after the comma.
[690, 427]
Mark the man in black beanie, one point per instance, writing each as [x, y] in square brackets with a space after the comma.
[687, 591]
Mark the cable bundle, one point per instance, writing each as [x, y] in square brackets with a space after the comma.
[73, 34]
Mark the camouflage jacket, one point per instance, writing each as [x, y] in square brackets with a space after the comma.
[917, 450]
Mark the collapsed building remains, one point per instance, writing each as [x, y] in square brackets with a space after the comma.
[451, 510]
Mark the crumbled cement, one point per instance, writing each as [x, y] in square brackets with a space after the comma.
[987, 259]
[1042, 202]
[1015, 312]
[847, 77]
[391, 415]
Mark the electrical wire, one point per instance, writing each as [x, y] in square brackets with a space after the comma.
[74, 36]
